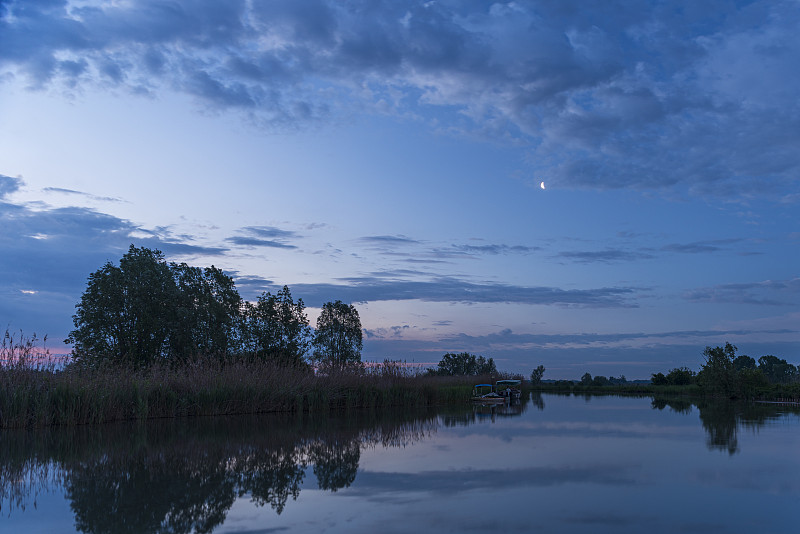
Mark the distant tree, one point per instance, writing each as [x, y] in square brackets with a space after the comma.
[617, 381]
[659, 379]
[485, 366]
[586, 379]
[126, 313]
[777, 370]
[600, 381]
[276, 328]
[744, 362]
[718, 375]
[680, 376]
[465, 364]
[536, 375]
[338, 339]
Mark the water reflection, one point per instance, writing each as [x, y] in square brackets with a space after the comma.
[722, 420]
[184, 476]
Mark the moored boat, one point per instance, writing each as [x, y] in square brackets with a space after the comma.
[485, 393]
[509, 389]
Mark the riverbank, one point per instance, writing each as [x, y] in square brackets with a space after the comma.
[40, 396]
[783, 393]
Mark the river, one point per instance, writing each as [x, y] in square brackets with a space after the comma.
[553, 463]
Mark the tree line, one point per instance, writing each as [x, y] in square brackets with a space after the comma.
[722, 373]
[145, 311]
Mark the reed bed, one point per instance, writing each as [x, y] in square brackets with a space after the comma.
[34, 393]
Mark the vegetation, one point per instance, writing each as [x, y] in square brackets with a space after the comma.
[147, 311]
[338, 340]
[464, 364]
[153, 339]
[722, 374]
[536, 375]
[34, 394]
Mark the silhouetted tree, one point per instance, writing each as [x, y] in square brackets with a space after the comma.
[537, 374]
[338, 339]
[717, 375]
[276, 328]
[659, 379]
[207, 313]
[744, 362]
[586, 379]
[680, 376]
[777, 370]
[465, 364]
[126, 313]
[146, 311]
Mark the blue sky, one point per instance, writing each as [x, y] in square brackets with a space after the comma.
[391, 154]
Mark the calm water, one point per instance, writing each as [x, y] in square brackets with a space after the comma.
[551, 464]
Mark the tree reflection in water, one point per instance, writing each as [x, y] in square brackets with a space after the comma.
[183, 476]
[723, 419]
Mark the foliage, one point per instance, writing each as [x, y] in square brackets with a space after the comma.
[659, 379]
[777, 370]
[465, 364]
[717, 375]
[537, 374]
[276, 328]
[744, 362]
[599, 381]
[338, 339]
[147, 311]
[126, 313]
[207, 313]
[586, 379]
[680, 376]
[34, 396]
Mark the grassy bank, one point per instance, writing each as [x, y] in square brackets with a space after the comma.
[35, 395]
[788, 393]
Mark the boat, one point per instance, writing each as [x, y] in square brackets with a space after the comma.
[509, 389]
[485, 393]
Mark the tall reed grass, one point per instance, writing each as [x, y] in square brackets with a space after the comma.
[36, 394]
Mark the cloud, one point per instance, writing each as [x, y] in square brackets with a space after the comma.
[79, 193]
[389, 240]
[700, 247]
[766, 293]
[453, 289]
[496, 249]
[48, 253]
[264, 236]
[676, 95]
[604, 256]
[8, 185]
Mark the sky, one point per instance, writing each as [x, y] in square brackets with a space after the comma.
[602, 187]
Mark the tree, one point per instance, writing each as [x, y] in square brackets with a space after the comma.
[658, 379]
[718, 375]
[146, 311]
[208, 311]
[465, 364]
[276, 328]
[744, 362]
[586, 379]
[126, 313]
[536, 375]
[600, 381]
[680, 376]
[777, 370]
[338, 339]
